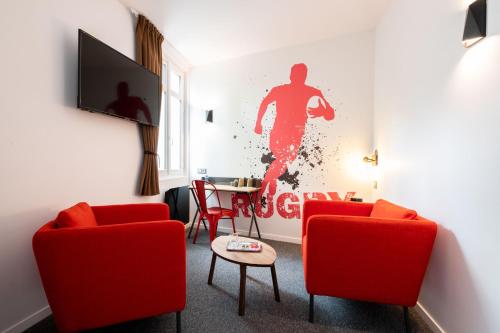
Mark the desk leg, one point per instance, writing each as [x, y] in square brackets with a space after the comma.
[254, 217]
[193, 223]
[243, 281]
[250, 230]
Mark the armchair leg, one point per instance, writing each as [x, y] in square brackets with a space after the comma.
[178, 321]
[311, 308]
[406, 321]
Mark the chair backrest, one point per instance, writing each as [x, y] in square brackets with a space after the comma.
[200, 186]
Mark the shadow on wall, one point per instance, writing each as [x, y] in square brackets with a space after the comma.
[448, 273]
[67, 37]
[68, 62]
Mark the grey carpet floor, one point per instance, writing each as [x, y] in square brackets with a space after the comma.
[215, 308]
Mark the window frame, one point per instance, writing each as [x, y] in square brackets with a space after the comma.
[166, 94]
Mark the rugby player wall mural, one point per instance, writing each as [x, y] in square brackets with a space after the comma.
[295, 102]
[299, 118]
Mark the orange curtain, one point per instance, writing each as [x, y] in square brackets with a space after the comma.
[148, 53]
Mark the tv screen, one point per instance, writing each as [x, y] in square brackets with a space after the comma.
[111, 83]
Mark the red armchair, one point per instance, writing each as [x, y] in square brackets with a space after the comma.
[370, 252]
[110, 264]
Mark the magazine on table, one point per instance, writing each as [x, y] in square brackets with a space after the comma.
[244, 246]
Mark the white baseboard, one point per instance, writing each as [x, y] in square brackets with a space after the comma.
[431, 322]
[29, 321]
[281, 238]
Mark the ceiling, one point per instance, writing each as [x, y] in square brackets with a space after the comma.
[206, 31]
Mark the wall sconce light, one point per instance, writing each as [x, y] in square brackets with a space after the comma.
[373, 159]
[209, 116]
[475, 23]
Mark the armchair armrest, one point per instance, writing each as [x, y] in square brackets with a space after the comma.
[379, 260]
[131, 213]
[329, 207]
[112, 273]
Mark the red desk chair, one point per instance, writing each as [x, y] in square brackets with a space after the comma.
[212, 214]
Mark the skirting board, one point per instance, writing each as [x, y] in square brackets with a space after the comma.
[29, 321]
[244, 233]
[281, 238]
[431, 322]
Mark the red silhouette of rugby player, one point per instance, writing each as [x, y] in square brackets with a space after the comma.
[292, 112]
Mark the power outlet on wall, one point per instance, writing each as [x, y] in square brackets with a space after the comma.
[202, 171]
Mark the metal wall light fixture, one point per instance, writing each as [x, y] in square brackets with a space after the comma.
[373, 159]
[209, 116]
[475, 23]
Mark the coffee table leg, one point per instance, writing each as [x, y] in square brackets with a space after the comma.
[212, 267]
[275, 284]
[243, 280]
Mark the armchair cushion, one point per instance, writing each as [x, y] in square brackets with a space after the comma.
[328, 207]
[388, 210]
[79, 215]
[129, 213]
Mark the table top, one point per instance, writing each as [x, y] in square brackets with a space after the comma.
[266, 257]
[230, 188]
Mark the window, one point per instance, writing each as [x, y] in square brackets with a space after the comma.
[171, 140]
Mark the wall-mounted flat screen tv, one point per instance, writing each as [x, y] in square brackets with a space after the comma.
[111, 83]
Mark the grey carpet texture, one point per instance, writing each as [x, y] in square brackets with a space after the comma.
[215, 308]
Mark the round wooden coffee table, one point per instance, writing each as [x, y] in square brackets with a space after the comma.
[265, 258]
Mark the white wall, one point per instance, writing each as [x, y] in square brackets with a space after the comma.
[437, 120]
[342, 68]
[54, 155]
